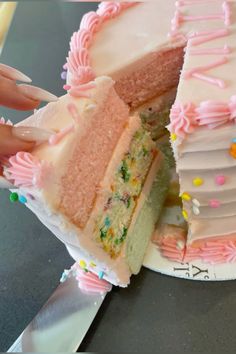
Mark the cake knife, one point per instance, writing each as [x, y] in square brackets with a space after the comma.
[62, 323]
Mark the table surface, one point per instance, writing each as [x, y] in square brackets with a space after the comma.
[155, 312]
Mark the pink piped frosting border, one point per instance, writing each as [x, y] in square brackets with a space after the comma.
[217, 250]
[78, 60]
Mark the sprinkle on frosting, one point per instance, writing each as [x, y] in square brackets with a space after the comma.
[101, 275]
[186, 197]
[198, 181]
[173, 137]
[232, 150]
[66, 87]
[220, 180]
[82, 264]
[185, 214]
[22, 199]
[196, 203]
[214, 203]
[14, 197]
[63, 75]
[65, 275]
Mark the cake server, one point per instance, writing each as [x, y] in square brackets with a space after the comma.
[62, 323]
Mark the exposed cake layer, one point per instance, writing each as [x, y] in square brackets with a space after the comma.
[90, 158]
[113, 221]
[80, 157]
[82, 246]
[152, 66]
[151, 76]
[147, 213]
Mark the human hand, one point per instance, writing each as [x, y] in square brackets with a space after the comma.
[21, 97]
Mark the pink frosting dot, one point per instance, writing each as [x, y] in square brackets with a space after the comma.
[214, 203]
[220, 180]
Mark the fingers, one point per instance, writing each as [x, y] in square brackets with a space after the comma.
[10, 144]
[13, 98]
[21, 97]
[13, 74]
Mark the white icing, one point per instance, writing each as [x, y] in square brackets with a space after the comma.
[205, 153]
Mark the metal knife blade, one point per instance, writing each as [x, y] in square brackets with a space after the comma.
[62, 323]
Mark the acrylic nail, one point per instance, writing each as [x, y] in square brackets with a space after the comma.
[36, 93]
[31, 134]
[13, 74]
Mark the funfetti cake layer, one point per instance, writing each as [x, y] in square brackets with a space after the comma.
[91, 181]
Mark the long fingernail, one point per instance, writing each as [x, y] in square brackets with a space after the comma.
[13, 74]
[31, 134]
[36, 93]
[5, 184]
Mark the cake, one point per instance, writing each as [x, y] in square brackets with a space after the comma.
[98, 183]
[102, 165]
[187, 46]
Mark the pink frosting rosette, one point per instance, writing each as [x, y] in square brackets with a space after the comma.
[182, 119]
[26, 170]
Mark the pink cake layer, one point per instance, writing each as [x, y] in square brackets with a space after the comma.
[89, 161]
[152, 76]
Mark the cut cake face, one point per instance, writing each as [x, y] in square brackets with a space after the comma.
[95, 180]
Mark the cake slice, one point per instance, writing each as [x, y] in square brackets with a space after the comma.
[98, 183]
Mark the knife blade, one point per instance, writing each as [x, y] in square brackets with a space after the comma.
[62, 323]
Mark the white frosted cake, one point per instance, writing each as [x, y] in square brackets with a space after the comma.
[147, 56]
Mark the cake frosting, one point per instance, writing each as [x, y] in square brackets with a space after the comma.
[99, 182]
[199, 38]
[92, 181]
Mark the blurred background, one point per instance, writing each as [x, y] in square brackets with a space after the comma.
[7, 10]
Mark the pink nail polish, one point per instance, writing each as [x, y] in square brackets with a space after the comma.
[32, 134]
[13, 74]
[36, 93]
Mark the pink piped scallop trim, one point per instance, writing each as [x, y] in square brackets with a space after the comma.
[182, 119]
[217, 251]
[90, 283]
[185, 118]
[78, 62]
[25, 170]
[213, 114]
